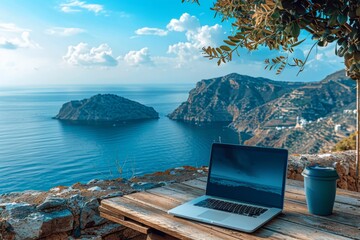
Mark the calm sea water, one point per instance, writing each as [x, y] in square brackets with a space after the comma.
[38, 152]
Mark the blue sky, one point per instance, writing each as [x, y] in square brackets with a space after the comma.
[126, 42]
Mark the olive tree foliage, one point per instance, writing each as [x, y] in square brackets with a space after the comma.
[276, 24]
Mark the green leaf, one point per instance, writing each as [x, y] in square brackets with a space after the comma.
[214, 53]
[341, 19]
[225, 48]
[230, 43]
[234, 39]
[295, 30]
[298, 43]
[332, 20]
[276, 15]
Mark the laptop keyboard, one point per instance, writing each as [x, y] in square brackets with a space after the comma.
[237, 208]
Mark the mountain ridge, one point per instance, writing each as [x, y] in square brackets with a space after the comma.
[222, 99]
[275, 114]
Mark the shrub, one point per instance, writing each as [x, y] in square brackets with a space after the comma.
[348, 143]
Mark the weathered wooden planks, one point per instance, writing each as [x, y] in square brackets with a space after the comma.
[297, 213]
[150, 209]
[118, 218]
[166, 203]
[161, 221]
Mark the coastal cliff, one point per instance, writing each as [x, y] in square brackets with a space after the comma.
[306, 117]
[225, 98]
[105, 108]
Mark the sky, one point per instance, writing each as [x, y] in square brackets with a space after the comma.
[62, 42]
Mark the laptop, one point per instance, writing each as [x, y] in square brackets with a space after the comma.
[245, 188]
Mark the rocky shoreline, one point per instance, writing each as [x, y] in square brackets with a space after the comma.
[71, 212]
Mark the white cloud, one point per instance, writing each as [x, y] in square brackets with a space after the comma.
[11, 27]
[197, 37]
[84, 55]
[185, 52]
[137, 58]
[206, 35]
[319, 56]
[123, 14]
[78, 6]
[151, 31]
[64, 32]
[14, 43]
[185, 23]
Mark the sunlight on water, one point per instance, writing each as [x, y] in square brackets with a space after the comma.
[37, 152]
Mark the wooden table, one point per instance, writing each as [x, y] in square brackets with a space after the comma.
[146, 213]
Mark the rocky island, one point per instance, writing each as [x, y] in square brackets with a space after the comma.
[105, 108]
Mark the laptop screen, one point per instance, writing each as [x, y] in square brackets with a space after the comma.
[248, 174]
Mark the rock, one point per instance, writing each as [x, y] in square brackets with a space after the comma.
[90, 237]
[75, 204]
[55, 189]
[125, 233]
[164, 183]
[56, 222]
[105, 108]
[17, 210]
[92, 181]
[90, 215]
[344, 162]
[36, 225]
[6, 231]
[114, 194]
[27, 227]
[58, 236]
[67, 191]
[179, 168]
[52, 203]
[142, 186]
[103, 230]
[95, 188]
[124, 180]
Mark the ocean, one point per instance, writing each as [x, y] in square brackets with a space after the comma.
[38, 152]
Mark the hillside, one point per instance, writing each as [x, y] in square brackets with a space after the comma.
[310, 102]
[226, 98]
[303, 117]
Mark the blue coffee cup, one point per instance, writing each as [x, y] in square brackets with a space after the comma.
[320, 189]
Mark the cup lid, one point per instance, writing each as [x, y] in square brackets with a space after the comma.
[320, 172]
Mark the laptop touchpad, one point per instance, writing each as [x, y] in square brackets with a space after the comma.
[214, 216]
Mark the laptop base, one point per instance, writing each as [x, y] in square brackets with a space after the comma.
[223, 219]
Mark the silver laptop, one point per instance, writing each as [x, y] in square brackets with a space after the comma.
[245, 188]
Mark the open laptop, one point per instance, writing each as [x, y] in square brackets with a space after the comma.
[245, 188]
